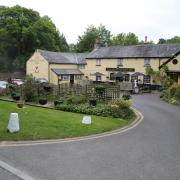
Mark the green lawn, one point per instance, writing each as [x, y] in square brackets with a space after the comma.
[41, 123]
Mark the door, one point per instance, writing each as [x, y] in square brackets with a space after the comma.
[71, 79]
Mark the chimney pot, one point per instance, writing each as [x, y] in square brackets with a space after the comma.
[145, 39]
[97, 43]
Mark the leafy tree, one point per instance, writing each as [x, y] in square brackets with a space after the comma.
[174, 40]
[87, 40]
[125, 39]
[22, 31]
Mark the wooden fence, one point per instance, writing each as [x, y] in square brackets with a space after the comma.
[109, 92]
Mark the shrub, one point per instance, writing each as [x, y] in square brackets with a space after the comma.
[121, 103]
[177, 94]
[165, 95]
[76, 99]
[173, 89]
[166, 82]
[59, 101]
[100, 89]
[100, 110]
[30, 89]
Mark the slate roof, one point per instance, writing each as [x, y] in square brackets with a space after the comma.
[137, 51]
[67, 71]
[63, 57]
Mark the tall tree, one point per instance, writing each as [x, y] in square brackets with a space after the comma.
[87, 40]
[22, 31]
[174, 40]
[125, 39]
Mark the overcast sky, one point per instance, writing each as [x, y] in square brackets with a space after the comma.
[154, 18]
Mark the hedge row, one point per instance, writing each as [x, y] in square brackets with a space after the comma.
[100, 110]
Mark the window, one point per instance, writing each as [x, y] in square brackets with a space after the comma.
[134, 78]
[120, 62]
[81, 66]
[147, 79]
[77, 77]
[98, 78]
[64, 77]
[126, 78]
[98, 62]
[146, 62]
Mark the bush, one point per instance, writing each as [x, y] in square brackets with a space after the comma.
[30, 90]
[177, 94]
[173, 89]
[121, 103]
[100, 89]
[59, 101]
[100, 110]
[75, 99]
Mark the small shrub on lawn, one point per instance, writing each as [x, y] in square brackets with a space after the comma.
[100, 110]
[121, 103]
[75, 99]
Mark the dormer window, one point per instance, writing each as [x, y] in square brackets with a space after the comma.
[98, 62]
[147, 62]
[120, 62]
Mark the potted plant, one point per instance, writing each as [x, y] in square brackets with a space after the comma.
[93, 102]
[20, 104]
[43, 100]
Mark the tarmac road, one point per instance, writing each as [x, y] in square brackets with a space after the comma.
[150, 151]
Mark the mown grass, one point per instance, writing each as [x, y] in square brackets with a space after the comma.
[41, 123]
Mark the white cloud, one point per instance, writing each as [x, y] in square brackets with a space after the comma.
[144, 17]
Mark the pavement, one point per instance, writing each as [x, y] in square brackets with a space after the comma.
[149, 151]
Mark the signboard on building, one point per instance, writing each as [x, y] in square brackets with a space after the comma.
[121, 69]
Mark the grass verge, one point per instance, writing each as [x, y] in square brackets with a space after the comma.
[41, 123]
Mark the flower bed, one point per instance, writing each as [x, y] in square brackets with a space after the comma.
[118, 109]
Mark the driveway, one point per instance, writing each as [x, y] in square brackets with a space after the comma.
[150, 151]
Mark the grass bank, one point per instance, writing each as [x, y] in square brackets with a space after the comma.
[41, 123]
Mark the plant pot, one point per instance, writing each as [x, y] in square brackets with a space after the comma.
[47, 88]
[93, 102]
[42, 101]
[20, 104]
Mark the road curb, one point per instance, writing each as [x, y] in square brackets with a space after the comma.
[132, 125]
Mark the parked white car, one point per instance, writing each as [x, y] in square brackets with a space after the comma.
[3, 84]
[17, 81]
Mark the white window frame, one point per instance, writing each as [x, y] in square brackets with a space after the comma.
[98, 78]
[98, 62]
[120, 62]
[78, 77]
[147, 61]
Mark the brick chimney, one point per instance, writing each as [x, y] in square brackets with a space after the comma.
[97, 44]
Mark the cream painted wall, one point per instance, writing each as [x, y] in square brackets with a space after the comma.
[174, 67]
[37, 66]
[137, 63]
[53, 78]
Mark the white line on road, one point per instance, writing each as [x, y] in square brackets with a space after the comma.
[16, 172]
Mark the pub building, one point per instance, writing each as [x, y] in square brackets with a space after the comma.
[106, 64]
